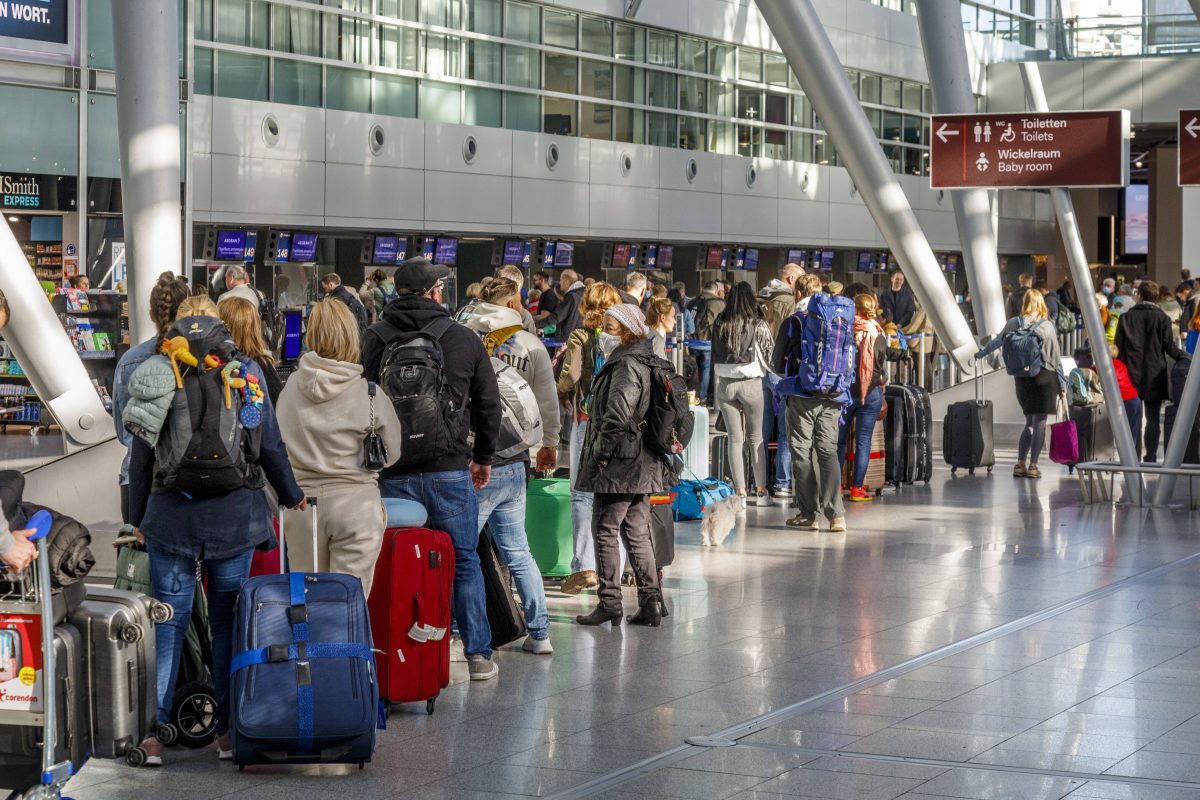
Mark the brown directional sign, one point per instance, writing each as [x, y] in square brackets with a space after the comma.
[1030, 151]
[1189, 148]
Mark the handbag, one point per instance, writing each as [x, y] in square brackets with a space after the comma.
[1064, 439]
[375, 455]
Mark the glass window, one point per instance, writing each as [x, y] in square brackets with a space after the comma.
[987, 21]
[776, 110]
[853, 76]
[875, 117]
[558, 116]
[660, 49]
[629, 42]
[485, 16]
[399, 48]
[522, 112]
[561, 29]
[203, 71]
[912, 97]
[823, 151]
[890, 95]
[595, 121]
[749, 104]
[776, 69]
[561, 74]
[693, 54]
[721, 61]
[521, 68]
[722, 100]
[483, 106]
[48, 142]
[968, 17]
[483, 61]
[721, 138]
[295, 30]
[440, 102]
[750, 65]
[660, 90]
[868, 89]
[297, 83]
[349, 5]
[893, 129]
[629, 125]
[749, 141]
[912, 129]
[691, 133]
[596, 36]
[442, 55]
[446, 13]
[345, 89]
[596, 79]
[693, 95]
[400, 9]
[775, 145]
[927, 99]
[793, 81]
[100, 35]
[348, 40]
[629, 84]
[522, 22]
[103, 147]
[240, 76]
[242, 22]
[202, 20]
[660, 129]
[395, 96]
[913, 160]
[802, 147]
[801, 112]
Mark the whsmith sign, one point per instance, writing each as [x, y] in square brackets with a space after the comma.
[37, 192]
[37, 20]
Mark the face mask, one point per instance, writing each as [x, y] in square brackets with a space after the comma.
[1106, 289]
[608, 343]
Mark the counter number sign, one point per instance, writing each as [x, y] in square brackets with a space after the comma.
[1189, 147]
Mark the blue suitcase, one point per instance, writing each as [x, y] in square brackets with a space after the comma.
[304, 688]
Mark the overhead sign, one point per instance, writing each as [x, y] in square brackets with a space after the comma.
[1030, 150]
[38, 20]
[24, 191]
[1189, 148]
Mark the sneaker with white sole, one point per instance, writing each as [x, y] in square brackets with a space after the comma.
[154, 752]
[224, 748]
[482, 668]
[803, 523]
[764, 501]
[837, 525]
[539, 647]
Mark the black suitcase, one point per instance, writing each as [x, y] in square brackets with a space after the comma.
[1191, 455]
[662, 532]
[967, 440]
[505, 616]
[907, 449]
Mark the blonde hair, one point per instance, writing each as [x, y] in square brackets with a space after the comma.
[866, 305]
[1113, 351]
[1034, 305]
[333, 331]
[597, 299]
[474, 290]
[199, 305]
[245, 326]
[660, 308]
[500, 291]
[808, 284]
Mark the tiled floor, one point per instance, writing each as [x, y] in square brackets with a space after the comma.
[1099, 700]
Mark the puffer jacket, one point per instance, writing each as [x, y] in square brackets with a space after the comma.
[1144, 340]
[151, 390]
[614, 459]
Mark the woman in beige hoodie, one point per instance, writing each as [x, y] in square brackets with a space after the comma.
[324, 414]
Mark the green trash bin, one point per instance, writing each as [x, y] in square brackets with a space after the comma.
[548, 525]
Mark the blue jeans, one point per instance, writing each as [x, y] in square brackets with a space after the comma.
[1133, 410]
[704, 367]
[450, 499]
[174, 581]
[502, 509]
[865, 414]
[775, 430]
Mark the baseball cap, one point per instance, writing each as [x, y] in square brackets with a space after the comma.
[418, 275]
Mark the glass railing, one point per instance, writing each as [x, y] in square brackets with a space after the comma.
[1114, 37]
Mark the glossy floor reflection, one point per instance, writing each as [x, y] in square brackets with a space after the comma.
[1099, 699]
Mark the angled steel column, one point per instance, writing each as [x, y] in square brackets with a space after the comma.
[803, 40]
[1085, 289]
[1195, 8]
[146, 46]
[946, 58]
[43, 350]
[1185, 417]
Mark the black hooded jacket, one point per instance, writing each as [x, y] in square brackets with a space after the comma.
[468, 371]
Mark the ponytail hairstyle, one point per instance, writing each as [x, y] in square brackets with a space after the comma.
[166, 296]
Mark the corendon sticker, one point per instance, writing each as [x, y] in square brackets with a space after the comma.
[21, 670]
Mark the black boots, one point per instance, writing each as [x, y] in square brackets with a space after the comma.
[649, 614]
[599, 616]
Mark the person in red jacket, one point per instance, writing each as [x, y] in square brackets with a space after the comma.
[1129, 395]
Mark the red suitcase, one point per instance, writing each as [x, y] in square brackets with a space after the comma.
[410, 614]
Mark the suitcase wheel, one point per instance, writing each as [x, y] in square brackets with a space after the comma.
[362, 765]
[989, 470]
[161, 612]
[429, 705]
[166, 733]
[971, 471]
[954, 470]
[132, 633]
[135, 757]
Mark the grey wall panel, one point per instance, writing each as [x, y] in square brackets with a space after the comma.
[1169, 84]
[550, 206]
[852, 225]
[454, 201]
[375, 193]
[689, 213]
[803, 223]
[531, 152]
[201, 182]
[797, 181]
[1113, 84]
[752, 219]
[200, 114]
[238, 130]
[940, 228]
[348, 140]
[735, 177]
[1005, 91]
[608, 164]
[672, 170]
[254, 187]
[444, 145]
[621, 208]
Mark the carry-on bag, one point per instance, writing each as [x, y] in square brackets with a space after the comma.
[876, 476]
[692, 497]
[662, 529]
[697, 454]
[548, 525]
[1191, 453]
[908, 452]
[303, 674]
[967, 434]
[1096, 438]
[504, 613]
[410, 614]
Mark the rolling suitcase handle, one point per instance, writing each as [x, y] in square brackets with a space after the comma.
[284, 567]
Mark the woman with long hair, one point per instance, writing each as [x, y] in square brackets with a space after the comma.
[581, 363]
[741, 347]
[621, 471]
[245, 325]
[660, 318]
[866, 394]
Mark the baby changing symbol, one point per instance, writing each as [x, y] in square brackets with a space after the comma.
[982, 163]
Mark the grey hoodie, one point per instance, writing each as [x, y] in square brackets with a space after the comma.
[525, 353]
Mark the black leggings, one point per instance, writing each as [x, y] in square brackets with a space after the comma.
[1033, 436]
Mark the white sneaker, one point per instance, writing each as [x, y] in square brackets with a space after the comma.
[741, 502]
[482, 669]
[765, 501]
[457, 654]
[539, 647]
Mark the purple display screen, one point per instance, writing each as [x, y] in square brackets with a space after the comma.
[231, 245]
[446, 252]
[751, 258]
[514, 252]
[564, 254]
[666, 256]
[827, 261]
[304, 247]
[387, 248]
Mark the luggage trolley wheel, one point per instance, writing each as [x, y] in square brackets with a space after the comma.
[429, 705]
[161, 612]
[166, 733]
[989, 470]
[362, 765]
[132, 633]
[135, 757]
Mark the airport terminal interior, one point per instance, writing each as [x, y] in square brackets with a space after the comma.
[1003, 608]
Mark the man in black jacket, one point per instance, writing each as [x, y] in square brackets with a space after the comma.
[1144, 340]
[331, 285]
[898, 303]
[445, 484]
[566, 316]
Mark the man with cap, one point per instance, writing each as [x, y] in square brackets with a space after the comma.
[446, 481]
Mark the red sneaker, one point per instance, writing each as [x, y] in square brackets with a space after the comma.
[859, 494]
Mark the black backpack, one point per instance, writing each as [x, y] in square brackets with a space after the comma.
[272, 323]
[702, 307]
[412, 374]
[210, 441]
[669, 420]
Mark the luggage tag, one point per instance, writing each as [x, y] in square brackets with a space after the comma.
[426, 633]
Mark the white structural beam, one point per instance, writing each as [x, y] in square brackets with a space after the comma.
[803, 40]
[146, 47]
[946, 57]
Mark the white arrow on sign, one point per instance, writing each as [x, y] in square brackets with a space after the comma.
[1193, 127]
[945, 131]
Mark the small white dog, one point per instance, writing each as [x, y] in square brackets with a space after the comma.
[719, 521]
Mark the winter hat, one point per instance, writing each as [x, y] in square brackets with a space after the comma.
[631, 317]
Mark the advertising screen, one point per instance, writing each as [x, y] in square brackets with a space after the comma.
[1137, 219]
[527, 254]
[514, 250]
[304, 247]
[36, 20]
[283, 248]
[827, 261]
[952, 264]
[751, 258]
[564, 254]
[446, 252]
[231, 246]
[386, 250]
[620, 257]
[714, 258]
[666, 256]
[292, 334]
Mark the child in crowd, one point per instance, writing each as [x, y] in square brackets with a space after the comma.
[1129, 395]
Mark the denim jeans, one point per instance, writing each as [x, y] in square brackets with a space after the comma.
[704, 367]
[865, 415]
[775, 430]
[1133, 410]
[502, 509]
[450, 499]
[174, 581]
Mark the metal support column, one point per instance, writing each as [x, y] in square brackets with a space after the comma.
[146, 46]
[1185, 418]
[1081, 277]
[1195, 8]
[43, 350]
[946, 57]
[803, 40]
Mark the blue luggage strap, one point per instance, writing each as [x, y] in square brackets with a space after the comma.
[301, 652]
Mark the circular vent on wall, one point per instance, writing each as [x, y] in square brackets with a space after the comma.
[690, 170]
[270, 130]
[552, 156]
[751, 175]
[376, 139]
[470, 150]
